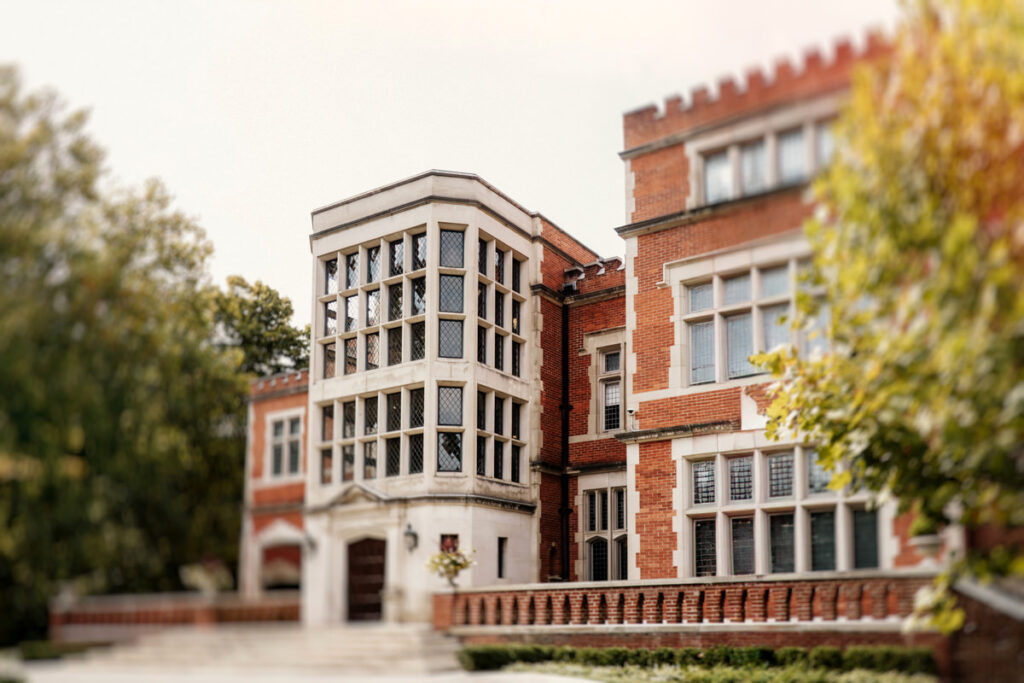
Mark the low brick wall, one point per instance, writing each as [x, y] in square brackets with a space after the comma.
[111, 618]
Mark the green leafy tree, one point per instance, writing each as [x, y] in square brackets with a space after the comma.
[256, 319]
[919, 248]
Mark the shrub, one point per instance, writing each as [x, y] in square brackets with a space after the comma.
[485, 657]
[788, 656]
[756, 655]
[589, 655]
[716, 656]
[825, 657]
[919, 660]
[687, 656]
[618, 656]
[663, 655]
[640, 657]
[564, 654]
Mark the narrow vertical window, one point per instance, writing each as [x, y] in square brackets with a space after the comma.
[330, 318]
[393, 457]
[622, 557]
[452, 248]
[351, 312]
[717, 177]
[612, 405]
[824, 144]
[481, 300]
[449, 338]
[499, 309]
[373, 351]
[327, 422]
[329, 351]
[419, 296]
[370, 460]
[481, 344]
[499, 351]
[481, 261]
[396, 257]
[294, 444]
[419, 251]
[418, 342]
[372, 264]
[373, 308]
[792, 157]
[865, 539]
[331, 276]
[348, 420]
[611, 361]
[499, 458]
[776, 327]
[702, 352]
[604, 511]
[703, 482]
[742, 545]
[394, 346]
[277, 450]
[481, 456]
[499, 415]
[515, 316]
[395, 301]
[449, 451]
[415, 408]
[394, 411]
[352, 270]
[591, 511]
[450, 294]
[620, 509]
[502, 543]
[704, 547]
[780, 475]
[481, 410]
[351, 356]
[782, 543]
[741, 478]
[823, 541]
[514, 465]
[370, 415]
[753, 167]
[348, 462]
[517, 267]
[499, 265]
[818, 478]
[516, 358]
[740, 343]
[598, 559]
[517, 408]
[415, 453]
[449, 406]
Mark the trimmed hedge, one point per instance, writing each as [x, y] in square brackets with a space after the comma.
[873, 658]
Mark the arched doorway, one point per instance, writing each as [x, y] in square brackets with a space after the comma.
[365, 579]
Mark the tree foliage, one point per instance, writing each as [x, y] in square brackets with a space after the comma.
[919, 248]
[256, 319]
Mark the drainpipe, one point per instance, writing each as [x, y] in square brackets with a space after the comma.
[565, 407]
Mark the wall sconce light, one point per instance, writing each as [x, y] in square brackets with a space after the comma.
[412, 539]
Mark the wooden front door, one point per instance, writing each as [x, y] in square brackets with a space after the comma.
[365, 579]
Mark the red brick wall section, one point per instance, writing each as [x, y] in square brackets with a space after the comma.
[990, 646]
[655, 477]
[597, 276]
[285, 493]
[261, 521]
[261, 407]
[707, 406]
[661, 182]
[566, 242]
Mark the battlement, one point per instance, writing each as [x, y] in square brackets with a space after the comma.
[815, 75]
[283, 381]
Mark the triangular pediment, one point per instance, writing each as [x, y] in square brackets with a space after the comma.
[355, 493]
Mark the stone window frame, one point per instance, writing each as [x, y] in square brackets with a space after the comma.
[609, 483]
[285, 417]
[506, 438]
[596, 345]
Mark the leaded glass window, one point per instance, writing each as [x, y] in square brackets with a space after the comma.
[351, 355]
[741, 478]
[603, 517]
[737, 289]
[449, 406]
[702, 352]
[516, 410]
[348, 462]
[774, 281]
[499, 265]
[394, 408]
[516, 352]
[395, 301]
[514, 464]
[294, 452]
[781, 528]
[499, 415]
[370, 460]
[393, 455]
[499, 458]
[517, 267]
[865, 539]
[818, 477]
[394, 346]
[742, 545]
[753, 167]
[450, 295]
[612, 405]
[351, 312]
[348, 420]
[452, 247]
[277, 453]
[415, 453]
[700, 297]
[373, 351]
[415, 408]
[372, 264]
[739, 337]
[717, 177]
[481, 344]
[499, 309]
[515, 316]
[481, 410]
[396, 260]
[330, 317]
[370, 415]
[598, 559]
[419, 295]
[620, 509]
[449, 451]
[703, 482]
[329, 353]
[481, 300]
[823, 541]
[591, 511]
[331, 276]
[780, 475]
[418, 342]
[373, 307]
[776, 327]
[352, 270]
[792, 156]
[481, 455]
[419, 251]
[611, 361]
[622, 557]
[499, 351]
[481, 260]
[449, 338]
[327, 422]
[704, 547]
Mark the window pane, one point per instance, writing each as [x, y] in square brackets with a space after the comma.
[704, 547]
[499, 351]
[717, 178]
[591, 511]
[481, 410]
[331, 276]
[372, 264]
[604, 511]
[620, 509]
[499, 415]
[326, 465]
[451, 249]
[499, 309]
[395, 301]
[351, 355]
[449, 451]
[742, 546]
[351, 312]
[753, 167]
[517, 267]
[701, 297]
[516, 351]
[295, 426]
[622, 558]
[823, 541]
[741, 478]
[782, 543]
[481, 256]
[481, 300]
[815, 335]
[330, 317]
[419, 296]
[418, 343]
[277, 464]
[740, 345]
[293, 457]
[792, 156]
[373, 307]
[370, 460]
[415, 407]
[818, 477]
[348, 424]
[481, 344]
[825, 145]
[415, 453]
[514, 464]
[780, 475]
[373, 351]
[702, 352]
[612, 405]
[449, 406]
[394, 407]
[776, 326]
[499, 265]
[450, 295]
[279, 428]
[396, 254]
[611, 361]
[394, 346]
[737, 289]
[419, 251]
[329, 360]
[370, 415]
[598, 559]
[393, 453]
[865, 539]
[481, 455]
[348, 462]
[515, 316]
[517, 408]
[327, 423]
[703, 482]
[352, 270]
[449, 342]
[499, 459]
[774, 281]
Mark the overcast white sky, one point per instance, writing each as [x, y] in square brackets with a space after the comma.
[256, 112]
